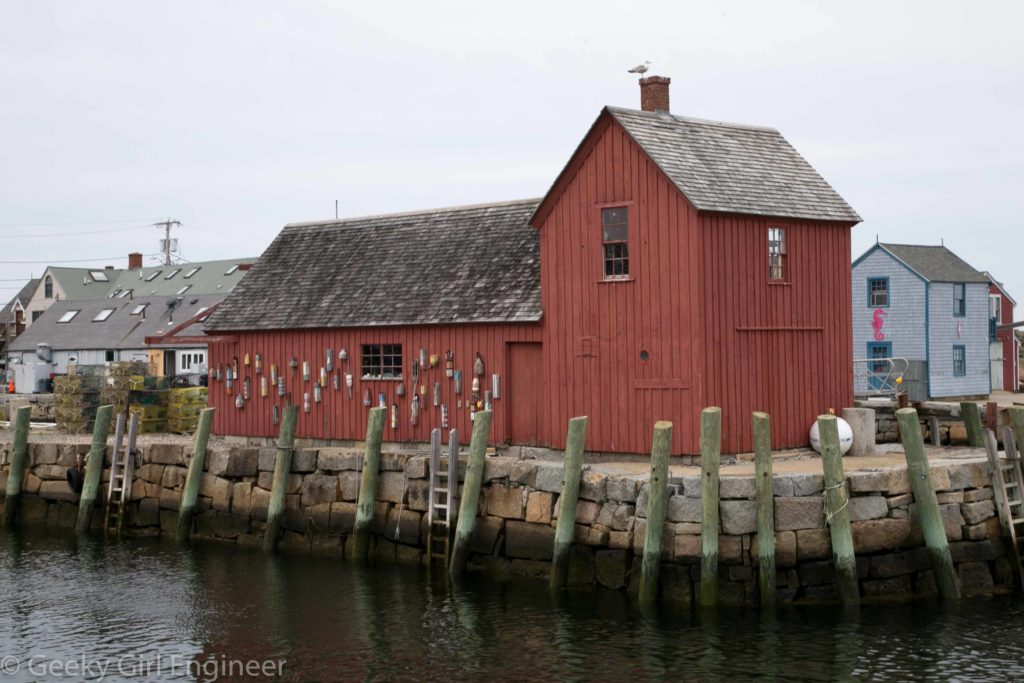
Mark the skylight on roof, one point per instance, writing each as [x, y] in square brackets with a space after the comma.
[192, 272]
[98, 276]
[184, 289]
[68, 317]
[138, 309]
[203, 309]
[103, 315]
[172, 273]
[152, 276]
[231, 270]
[125, 294]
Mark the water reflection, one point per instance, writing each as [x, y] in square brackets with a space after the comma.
[331, 620]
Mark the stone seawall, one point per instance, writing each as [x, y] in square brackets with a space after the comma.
[519, 505]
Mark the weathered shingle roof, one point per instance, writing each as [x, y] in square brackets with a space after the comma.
[734, 168]
[7, 312]
[119, 331]
[935, 263]
[471, 264]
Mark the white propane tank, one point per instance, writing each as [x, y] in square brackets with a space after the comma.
[845, 436]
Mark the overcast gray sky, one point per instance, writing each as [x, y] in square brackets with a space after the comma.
[237, 117]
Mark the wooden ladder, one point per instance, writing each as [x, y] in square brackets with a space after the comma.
[1008, 486]
[443, 508]
[122, 471]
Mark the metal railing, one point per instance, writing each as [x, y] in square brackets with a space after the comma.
[879, 376]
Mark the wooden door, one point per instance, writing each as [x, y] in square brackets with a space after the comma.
[525, 393]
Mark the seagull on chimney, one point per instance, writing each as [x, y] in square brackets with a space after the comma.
[640, 68]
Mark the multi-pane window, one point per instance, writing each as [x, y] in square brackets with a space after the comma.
[995, 308]
[960, 299]
[959, 360]
[48, 287]
[878, 292]
[777, 254]
[614, 236]
[382, 361]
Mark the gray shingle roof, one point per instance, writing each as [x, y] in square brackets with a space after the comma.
[120, 331]
[734, 168]
[7, 312]
[935, 263]
[470, 264]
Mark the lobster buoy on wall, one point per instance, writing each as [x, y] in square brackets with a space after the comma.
[845, 436]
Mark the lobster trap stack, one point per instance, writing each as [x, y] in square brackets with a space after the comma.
[183, 408]
[76, 397]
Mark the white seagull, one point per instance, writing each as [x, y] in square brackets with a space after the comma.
[640, 68]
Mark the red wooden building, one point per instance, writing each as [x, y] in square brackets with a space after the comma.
[1004, 349]
[674, 264]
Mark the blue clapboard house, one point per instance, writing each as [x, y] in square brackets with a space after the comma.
[926, 305]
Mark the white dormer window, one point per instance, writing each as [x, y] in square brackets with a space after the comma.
[152, 276]
[172, 273]
[192, 272]
[231, 270]
[68, 317]
[98, 276]
[103, 315]
[183, 289]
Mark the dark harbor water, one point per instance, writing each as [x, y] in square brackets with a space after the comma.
[148, 610]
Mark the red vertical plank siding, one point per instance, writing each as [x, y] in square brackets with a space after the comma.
[337, 417]
[785, 348]
[653, 311]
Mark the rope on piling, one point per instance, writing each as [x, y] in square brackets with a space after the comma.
[401, 504]
[829, 516]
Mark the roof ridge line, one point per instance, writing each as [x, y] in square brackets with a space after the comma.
[696, 119]
[420, 212]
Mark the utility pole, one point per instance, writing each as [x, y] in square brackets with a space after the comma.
[167, 225]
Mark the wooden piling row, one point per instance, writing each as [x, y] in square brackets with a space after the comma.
[94, 468]
[571, 472]
[190, 494]
[1016, 415]
[710, 461]
[471, 492]
[837, 500]
[282, 468]
[972, 421]
[765, 509]
[657, 506]
[928, 503]
[19, 458]
[368, 483]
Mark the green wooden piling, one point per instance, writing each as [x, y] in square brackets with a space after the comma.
[1016, 414]
[471, 492]
[972, 420]
[765, 509]
[187, 509]
[19, 458]
[657, 505]
[710, 461]
[927, 504]
[282, 468]
[572, 469]
[837, 500]
[368, 483]
[93, 468]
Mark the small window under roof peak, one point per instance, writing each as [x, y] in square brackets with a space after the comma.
[152, 276]
[231, 270]
[138, 309]
[68, 317]
[103, 315]
[98, 276]
[183, 290]
[192, 272]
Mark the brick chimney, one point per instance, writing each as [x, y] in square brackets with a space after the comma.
[654, 93]
[134, 261]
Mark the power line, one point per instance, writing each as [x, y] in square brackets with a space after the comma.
[80, 260]
[68, 234]
[127, 220]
